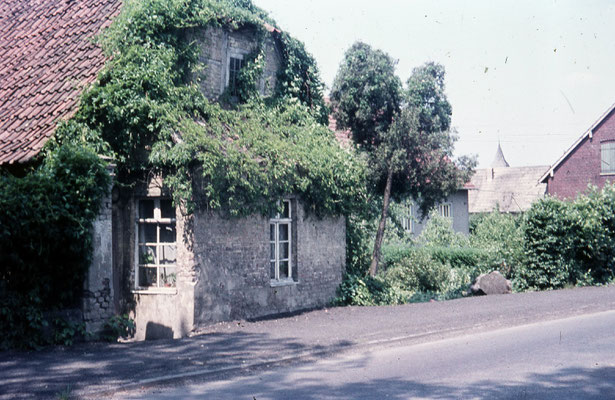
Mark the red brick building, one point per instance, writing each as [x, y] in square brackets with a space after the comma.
[590, 160]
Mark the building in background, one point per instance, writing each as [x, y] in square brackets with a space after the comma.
[590, 160]
[508, 189]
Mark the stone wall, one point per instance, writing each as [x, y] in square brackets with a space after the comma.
[232, 261]
[98, 295]
[218, 45]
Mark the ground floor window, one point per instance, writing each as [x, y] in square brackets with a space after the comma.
[407, 219]
[156, 244]
[445, 210]
[280, 242]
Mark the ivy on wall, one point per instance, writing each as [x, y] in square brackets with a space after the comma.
[149, 113]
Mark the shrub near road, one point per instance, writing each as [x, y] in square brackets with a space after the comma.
[556, 244]
[569, 243]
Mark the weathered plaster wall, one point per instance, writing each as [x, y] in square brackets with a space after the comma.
[167, 313]
[164, 314]
[232, 258]
[583, 165]
[218, 45]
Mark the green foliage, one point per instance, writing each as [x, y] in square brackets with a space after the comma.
[409, 146]
[418, 272]
[569, 243]
[119, 326]
[239, 158]
[366, 93]
[298, 78]
[367, 291]
[425, 94]
[359, 238]
[501, 235]
[249, 157]
[439, 232]
[67, 332]
[45, 239]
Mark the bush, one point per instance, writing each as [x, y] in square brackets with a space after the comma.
[45, 240]
[439, 232]
[418, 272]
[119, 326]
[358, 290]
[501, 236]
[569, 243]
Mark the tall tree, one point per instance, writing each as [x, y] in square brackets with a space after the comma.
[406, 135]
[366, 94]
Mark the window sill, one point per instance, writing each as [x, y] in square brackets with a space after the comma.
[285, 282]
[607, 174]
[155, 291]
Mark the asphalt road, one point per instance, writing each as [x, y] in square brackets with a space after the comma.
[570, 358]
[98, 370]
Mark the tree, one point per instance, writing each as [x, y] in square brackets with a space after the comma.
[366, 94]
[406, 135]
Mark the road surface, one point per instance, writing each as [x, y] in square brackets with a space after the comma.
[570, 358]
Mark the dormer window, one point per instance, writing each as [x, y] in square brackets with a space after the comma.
[234, 66]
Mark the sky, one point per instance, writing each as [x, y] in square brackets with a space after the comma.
[532, 75]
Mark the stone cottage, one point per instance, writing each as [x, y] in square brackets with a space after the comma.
[173, 272]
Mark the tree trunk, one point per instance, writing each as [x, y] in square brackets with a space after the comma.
[373, 268]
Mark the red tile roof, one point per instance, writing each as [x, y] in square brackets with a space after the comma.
[46, 59]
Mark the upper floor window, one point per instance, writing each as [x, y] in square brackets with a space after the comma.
[607, 151]
[234, 66]
[156, 244]
[280, 242]
[445, 210]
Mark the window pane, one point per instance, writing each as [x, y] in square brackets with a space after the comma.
[272, 252]
[167, 234]
[284, 247]
[283, 269]
[608, 157]
[147, 276]
[283, 231]
[147, 233]
[146, 209]
[272, 270]
[147, 255]
[166, 209]
[168, 276]
[272, 232]
[167, 254]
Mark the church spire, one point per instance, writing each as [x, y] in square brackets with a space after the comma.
[499, 160]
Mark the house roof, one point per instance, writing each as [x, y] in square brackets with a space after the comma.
[512, 189]
[587, 134]
[46, 59]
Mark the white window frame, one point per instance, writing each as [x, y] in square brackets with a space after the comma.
[407, 219]
[445, 210]
[235, 55]
[158, 221]
[605, 166]
[276, 221]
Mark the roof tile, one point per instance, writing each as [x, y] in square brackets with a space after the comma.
[46, 58]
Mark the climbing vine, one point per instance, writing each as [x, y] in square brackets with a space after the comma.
[147, 109]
